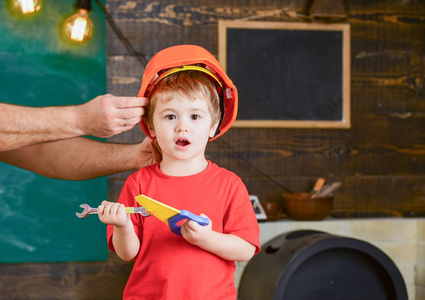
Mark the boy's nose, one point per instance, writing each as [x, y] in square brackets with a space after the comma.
[181, 126]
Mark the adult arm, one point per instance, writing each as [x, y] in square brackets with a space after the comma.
[81, 158]
[102, 117]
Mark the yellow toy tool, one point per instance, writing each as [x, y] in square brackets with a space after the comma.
[169, 215]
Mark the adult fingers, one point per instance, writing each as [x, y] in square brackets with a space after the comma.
[130, 102]
[130, 123]
[128, 113]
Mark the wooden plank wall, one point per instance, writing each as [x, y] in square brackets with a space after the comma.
[380, 160]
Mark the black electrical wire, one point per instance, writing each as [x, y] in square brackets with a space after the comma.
[239, 156]
[140, 57]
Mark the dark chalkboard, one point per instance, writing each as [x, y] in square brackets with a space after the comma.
[288, 74]
[37, 214]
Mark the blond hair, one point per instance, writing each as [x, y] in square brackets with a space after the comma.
[190, 83]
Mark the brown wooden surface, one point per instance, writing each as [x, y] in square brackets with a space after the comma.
[68, 280]
[380, 160]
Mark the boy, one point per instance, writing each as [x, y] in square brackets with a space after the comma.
[191, 102]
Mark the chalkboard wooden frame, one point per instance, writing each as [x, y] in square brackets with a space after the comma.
[340, 102]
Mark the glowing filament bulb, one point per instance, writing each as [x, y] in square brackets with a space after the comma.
[79, 29]
[27, 6]
[24, 8]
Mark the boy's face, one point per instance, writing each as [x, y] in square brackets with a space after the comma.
[182, 127]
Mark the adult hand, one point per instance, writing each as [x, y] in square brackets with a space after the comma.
[148, 154]
[108, 115]
[102, 117]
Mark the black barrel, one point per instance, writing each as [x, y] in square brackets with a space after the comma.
[314, 265]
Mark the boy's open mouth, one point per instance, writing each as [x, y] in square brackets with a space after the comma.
[182, 142]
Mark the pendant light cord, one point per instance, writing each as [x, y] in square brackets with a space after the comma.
[140, 56]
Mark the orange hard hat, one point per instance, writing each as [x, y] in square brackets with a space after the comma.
[192, 57]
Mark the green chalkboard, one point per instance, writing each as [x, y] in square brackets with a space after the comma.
[37, 214]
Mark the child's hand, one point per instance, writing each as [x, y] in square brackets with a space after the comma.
[113, 213]
[225, 245]
[195, 233]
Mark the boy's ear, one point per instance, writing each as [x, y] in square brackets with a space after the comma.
[213, 130]
[151, 131]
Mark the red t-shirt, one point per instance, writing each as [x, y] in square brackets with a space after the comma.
[169, 267]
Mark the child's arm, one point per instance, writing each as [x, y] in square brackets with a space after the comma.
[124, 239]
[227, 246]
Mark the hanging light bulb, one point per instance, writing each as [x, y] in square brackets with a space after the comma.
[24, 8]
[78, 28]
